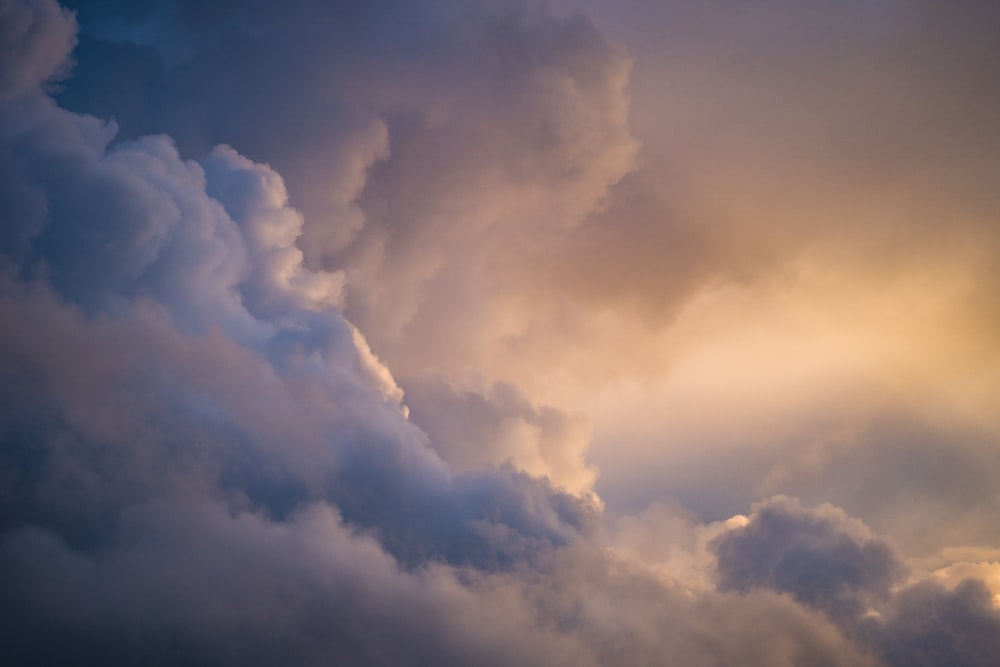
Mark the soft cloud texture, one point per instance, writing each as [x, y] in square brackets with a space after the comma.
[776, 211]
[825, 560]
[458, 150]
[206, 461]
[37, 40]
[493, 425]
[197, 307]
[810, 240]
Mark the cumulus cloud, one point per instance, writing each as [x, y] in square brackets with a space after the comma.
[180, 283]
[200, 585]
[437, 172]
[821, 557]
[256, 198]
[205, 462]
[465, 141]
[828, 561]
[564, 201]
[193, 583]
[929, 625]
[475, 427]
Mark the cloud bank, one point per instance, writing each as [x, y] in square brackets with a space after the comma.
[779, 212]
[205, 462]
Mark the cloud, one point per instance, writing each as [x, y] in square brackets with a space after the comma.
[482, 426]
[205, 462]
[120, 410]
[255, 197]
[862, 397]
[929, 625]
[436, 172]
[825, 560]
[37, 38]
[196, 354]
[196, 583]
[463, 140]
[679, 200]
[821, 557]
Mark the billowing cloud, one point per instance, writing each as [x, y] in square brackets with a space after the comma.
[475, 427]
[821, 557]
[206, 458]
[778, 212]
[195, 584]
[454, 156]
[930, 625]
[461, 146]
[826, 560]
[179, 283]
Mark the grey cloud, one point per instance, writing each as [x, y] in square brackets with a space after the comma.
[473, 428]
[431, 149]
[188, 583]
[167, 514]
[194, 353]
[194, 583]
[630, 617]
[929, 625]
[36, 38]
[830, 562]
[943, 474]
[754, 122]
[115, 224]
[108, 413]
[256, 198]
[820, 557]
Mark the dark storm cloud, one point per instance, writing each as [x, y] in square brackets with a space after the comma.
[820, 557]
[828, 561]
[928, 625]
[103, 414]
[190, 583]
[194, 583]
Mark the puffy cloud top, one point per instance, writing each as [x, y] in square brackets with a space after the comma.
[821, 557]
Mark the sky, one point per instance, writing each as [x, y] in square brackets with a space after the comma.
[500, 332]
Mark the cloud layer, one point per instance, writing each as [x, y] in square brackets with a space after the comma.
[205, 460]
